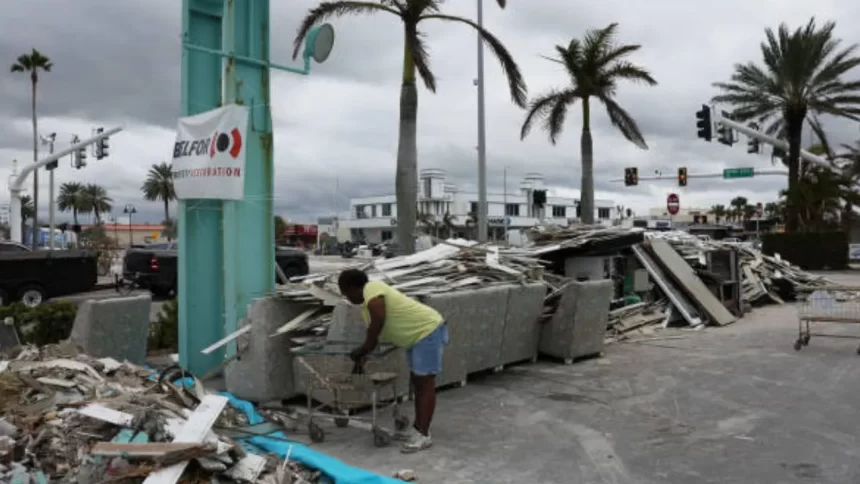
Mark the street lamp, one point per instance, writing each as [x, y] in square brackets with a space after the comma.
[130, 210]
[482, 135]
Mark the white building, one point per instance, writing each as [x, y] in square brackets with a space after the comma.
[374, 219]
[4, 215]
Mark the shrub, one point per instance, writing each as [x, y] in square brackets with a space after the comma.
[164, 334]
[809, 250]
[47, 323]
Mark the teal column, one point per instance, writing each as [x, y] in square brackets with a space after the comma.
[201, 304]
[248, 237]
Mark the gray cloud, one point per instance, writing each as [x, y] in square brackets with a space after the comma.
[119, 62]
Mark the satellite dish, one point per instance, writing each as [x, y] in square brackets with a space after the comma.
[319, 43]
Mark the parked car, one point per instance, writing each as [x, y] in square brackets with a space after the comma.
[154, 266]
[34, 277]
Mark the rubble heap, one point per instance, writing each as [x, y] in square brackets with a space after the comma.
[68, 417]
[763, 276]
[452, 265]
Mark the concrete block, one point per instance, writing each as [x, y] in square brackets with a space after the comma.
[579, 325]
[522, 331]
[264, 371]
[347, 324]
[449, 306]
[116, 328]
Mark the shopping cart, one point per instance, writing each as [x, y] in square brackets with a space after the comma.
[350, 389]
[826, 305]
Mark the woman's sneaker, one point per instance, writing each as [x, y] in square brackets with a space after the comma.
[417, 441]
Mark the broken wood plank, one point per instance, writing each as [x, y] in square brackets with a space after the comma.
[152, 450]
[105, 414]
[194, 430]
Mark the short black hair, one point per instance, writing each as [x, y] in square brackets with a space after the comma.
[352, 278]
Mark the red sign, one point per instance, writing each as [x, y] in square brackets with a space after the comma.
[759, 210]
[673, 204]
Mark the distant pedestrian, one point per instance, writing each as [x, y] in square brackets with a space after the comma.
[392, 317]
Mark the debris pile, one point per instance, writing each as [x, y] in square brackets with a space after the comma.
[765, 279]
[68, 417]
[452, 265]
[549, 238]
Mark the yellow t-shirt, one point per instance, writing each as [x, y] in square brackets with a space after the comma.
[407, 321]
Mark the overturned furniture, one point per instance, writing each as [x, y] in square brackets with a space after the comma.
[578, 327]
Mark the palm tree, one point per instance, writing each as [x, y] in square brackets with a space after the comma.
[416, 60]
[28, 212]
[448, 224]
[72, 199]
[594, 66]
[96, 201]
[31, 64]
[800, 79]
[426, 220]
[738, 205]
[159, 186]
[718, 211]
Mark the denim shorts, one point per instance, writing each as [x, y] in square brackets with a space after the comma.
[425, 357]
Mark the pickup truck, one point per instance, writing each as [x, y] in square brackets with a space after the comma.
[33, 277]
[154, 266]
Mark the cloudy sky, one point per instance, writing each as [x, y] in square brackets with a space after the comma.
[117, 63]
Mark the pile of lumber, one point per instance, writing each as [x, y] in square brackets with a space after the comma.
[451, 265]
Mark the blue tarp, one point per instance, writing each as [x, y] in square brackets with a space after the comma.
[337, 471]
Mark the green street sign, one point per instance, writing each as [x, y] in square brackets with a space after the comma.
[738, 173]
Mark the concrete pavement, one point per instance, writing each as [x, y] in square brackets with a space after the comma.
[722, 405]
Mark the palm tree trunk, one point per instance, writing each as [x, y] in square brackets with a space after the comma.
[33, 81]
[587, 151]
[794, 128]
[406, 178]
[75, 215]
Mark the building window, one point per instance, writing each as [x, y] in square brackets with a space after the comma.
[373, 211]
[386, 235]
[386, 209]
[473, 208]
[603, 213]
[428, 184]
[359, 211]
[559, 211]
[512, 209]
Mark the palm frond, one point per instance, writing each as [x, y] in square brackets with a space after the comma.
[541, 106]
[553, 122]
[326, 10]
[516, 82]
[630, 72]
[624, 122]
[421, 58]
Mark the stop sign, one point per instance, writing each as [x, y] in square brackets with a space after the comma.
[759, 210]
[673, 204]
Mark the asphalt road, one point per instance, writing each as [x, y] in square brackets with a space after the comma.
[318, 264]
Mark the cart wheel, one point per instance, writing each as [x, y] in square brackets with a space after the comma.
[341, 422]
[316, 432]
[381, 438]
[806, 339]
[798, 345]
[401, 422]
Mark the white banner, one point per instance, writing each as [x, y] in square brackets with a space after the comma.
[209, 154]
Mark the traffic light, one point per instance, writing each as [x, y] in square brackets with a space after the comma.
[682, 176]
[703, 122]
[101, 145]
[80, 158]
[725, 135]
[631, 176]
[753, 145]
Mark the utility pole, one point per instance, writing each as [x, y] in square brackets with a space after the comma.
[49, 140]
[505, 201]
[482, 136]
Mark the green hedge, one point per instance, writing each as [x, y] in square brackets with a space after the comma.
[164, 333]
[48, 323]
[812, 251]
